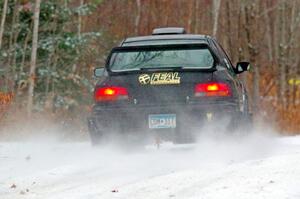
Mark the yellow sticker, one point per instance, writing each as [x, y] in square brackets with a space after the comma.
[295, 82]
[160, 78]
[144, 79]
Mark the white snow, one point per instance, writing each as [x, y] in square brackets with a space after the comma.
[251, 167]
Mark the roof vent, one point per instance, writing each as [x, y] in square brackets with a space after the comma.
[168, 31]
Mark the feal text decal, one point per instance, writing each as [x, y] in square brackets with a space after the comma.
[160, 78]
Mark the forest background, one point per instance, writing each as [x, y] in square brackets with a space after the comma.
[49, 49]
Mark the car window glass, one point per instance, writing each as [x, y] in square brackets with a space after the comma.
[185, 58]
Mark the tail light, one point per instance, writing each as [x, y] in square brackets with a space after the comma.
[112, 93]
[212, 90]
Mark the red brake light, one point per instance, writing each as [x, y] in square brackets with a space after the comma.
[111, 93]
[212, 89]
[108, 91]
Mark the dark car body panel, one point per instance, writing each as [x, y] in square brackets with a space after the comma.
[167, 94]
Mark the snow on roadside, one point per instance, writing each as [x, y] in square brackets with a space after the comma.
[276, 177]
[254, 167]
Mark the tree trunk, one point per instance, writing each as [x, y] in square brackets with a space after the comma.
[216, 11]
[251, 23]
[138, 17]
[13, 43]
[197, 21]
[282, 54]
[3, 21]
[240, 39]
[33, 57]
[269, 36]
[190, 17]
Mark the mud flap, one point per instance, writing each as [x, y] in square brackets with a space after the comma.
[184, 135]
[95, 134]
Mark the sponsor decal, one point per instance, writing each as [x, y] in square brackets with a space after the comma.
[160, 78]
[144, 79]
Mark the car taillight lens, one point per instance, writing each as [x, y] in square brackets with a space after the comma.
[212, 90]
[111, 93]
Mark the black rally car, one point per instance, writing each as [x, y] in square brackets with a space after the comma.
[165, 85]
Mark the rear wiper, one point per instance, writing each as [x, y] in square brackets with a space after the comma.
[126, 70]
[161, 68]
[196, 68]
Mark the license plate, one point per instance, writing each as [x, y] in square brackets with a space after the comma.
[162, 121]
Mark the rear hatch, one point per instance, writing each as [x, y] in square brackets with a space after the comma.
[160, 87]
[161, 74]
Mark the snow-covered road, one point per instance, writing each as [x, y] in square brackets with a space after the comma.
[252, 167]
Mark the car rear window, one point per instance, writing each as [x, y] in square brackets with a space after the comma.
[153, 57]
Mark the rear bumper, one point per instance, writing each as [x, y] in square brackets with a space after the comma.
[130, 118]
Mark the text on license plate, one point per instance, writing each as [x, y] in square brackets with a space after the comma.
[162, 121]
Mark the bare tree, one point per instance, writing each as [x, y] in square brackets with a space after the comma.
[216, 11]
[282, 53]
[197, 21]
[79, 27]
[138, 17]
[3, 21]
[12, 58]
[33, 56]
[251, 23]
[190, 17]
